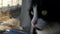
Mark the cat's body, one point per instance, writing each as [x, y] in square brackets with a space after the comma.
[7, 22]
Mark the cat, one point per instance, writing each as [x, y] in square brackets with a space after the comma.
[7, 22]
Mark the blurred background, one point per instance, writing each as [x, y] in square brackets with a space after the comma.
[14, 5]
[19, 10]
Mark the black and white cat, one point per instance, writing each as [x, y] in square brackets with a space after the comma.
[47, 15]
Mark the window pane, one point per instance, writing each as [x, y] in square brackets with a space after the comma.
[1, 1]
[4, 3]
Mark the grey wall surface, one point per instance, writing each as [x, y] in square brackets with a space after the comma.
[24, 17]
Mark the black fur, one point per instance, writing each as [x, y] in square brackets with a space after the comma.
[52, 7]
